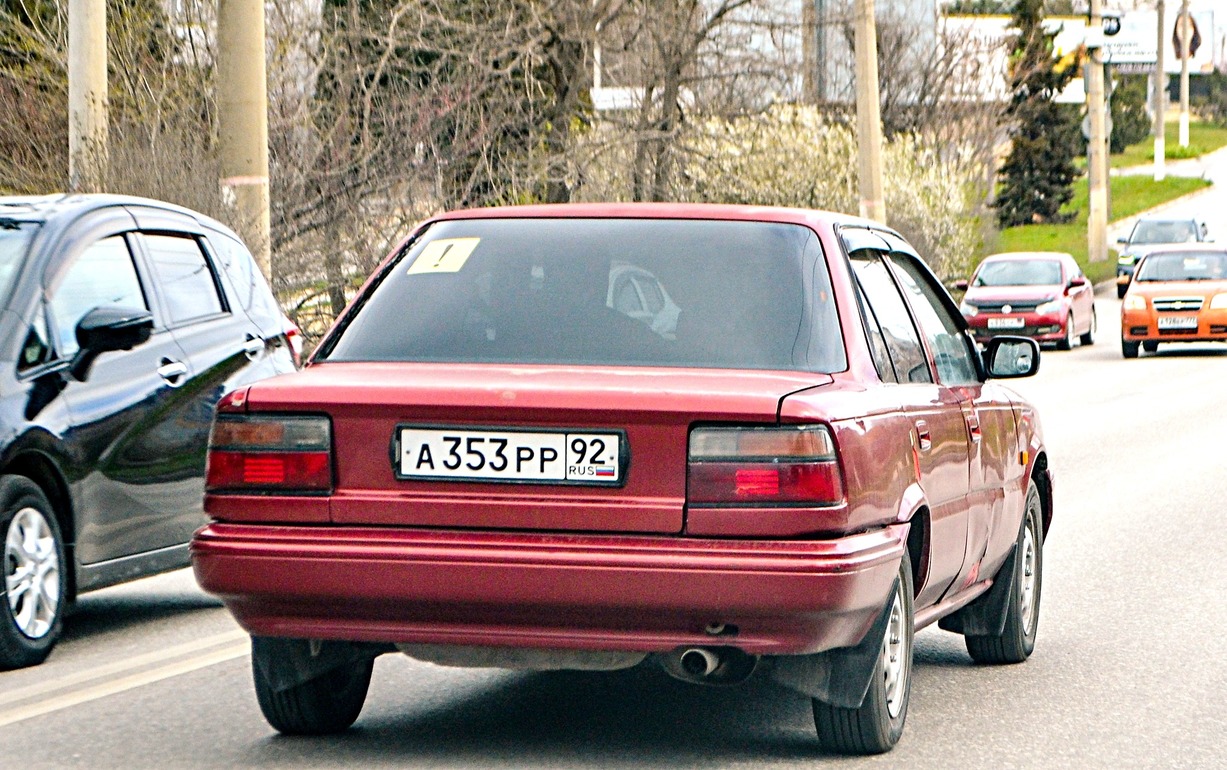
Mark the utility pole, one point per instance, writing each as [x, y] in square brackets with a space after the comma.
[1160, 99]
[87, 95]
[243, 120]
[1097, 146]
[868, 114]
[1184, 32]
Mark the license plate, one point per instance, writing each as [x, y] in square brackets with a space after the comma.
[550, 457]
[1006, 323]
[1178, 322]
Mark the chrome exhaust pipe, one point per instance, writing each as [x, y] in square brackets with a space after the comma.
[699, 662]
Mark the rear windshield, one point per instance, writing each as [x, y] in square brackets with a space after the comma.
[1183, 266]
[14, 240]
[1018, 272]
[603, 291]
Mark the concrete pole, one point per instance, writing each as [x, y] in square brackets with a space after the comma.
[242, 104]
[87, 95]
[1160, 98]
[1183, 24]
[868, 114]
[1097, 146]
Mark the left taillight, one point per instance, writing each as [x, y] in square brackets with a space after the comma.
[285, 454]
[763, 465]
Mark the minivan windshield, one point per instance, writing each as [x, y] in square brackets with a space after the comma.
[14, 241]
[650, 292]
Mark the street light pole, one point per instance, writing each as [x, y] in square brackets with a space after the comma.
[1184, 33]
[868, 114]
[1097, 149]
[243, 120]
[87, 95]
[1160, 99]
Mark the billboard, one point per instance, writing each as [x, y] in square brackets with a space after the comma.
[1136, 43]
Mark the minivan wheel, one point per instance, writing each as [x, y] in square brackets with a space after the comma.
[328, 703]
[877, 725]
[35, 583]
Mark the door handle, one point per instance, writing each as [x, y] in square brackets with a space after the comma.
[924, 438]
[173, 372]
[252, 346]
[973, 427]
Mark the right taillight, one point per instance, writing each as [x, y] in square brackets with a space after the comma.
[270, 453]
[763, 466]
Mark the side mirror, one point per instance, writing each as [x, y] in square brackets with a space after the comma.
[1122, 242]
[961, 285]
[1076, 281]
[108, 328]
[1008, 357]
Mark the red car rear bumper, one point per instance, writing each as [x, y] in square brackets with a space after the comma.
[594, 592]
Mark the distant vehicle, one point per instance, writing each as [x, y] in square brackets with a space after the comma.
[510, 452]
[1038, 294]
[124, 320]
[1178, 294]
[1151, 231]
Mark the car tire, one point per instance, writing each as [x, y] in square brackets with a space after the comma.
[1016, 641]
[1121, 288]
[876, 726]
[35, 579]
[1150, 346]
[326, 704]
[1129, 349]
[1089, 338]
[1067, 342]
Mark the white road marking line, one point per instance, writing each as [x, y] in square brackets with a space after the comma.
[103, 689]
[119, 667]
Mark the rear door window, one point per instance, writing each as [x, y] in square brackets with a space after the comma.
[604, 291]
[184, 277]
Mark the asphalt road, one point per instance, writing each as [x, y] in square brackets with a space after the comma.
[1129, 671]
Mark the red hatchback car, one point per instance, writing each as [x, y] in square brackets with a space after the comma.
[1040, 294]
[496, 459]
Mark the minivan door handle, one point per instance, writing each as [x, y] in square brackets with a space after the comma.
[173, 372]
[252, 346]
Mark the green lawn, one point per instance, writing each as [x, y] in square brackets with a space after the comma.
[1130, 195]
[1203, 138]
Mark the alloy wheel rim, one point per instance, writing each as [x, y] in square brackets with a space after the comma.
[31, 573]
[895, 659]
[1030, 577]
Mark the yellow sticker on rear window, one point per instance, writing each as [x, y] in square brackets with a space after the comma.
[446, 255]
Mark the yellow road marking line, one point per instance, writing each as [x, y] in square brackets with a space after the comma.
[122, 684]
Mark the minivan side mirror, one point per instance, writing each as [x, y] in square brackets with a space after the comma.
[1008, 357]
[108, 328]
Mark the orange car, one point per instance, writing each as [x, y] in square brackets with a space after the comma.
[1178, 294]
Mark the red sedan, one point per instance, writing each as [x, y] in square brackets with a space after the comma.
[1041, 294]
[780, 449]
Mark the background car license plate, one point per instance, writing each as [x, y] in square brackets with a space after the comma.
[562, 457]
[1006, 323]
[1178, 322]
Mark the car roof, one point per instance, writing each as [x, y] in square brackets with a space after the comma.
[44, 208]
[696, 211]
[1026, 255]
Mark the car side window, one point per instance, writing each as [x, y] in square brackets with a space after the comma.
[899, 333]
[102, 275]
[877, 340]
[184, 277]
[952, 353]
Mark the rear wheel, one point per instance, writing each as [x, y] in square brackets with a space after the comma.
[1129, 349]
[35, 583]
[328, 703]
[1067, 342]
[1089, 337]
[1150, 346]
[1017, 640]
[877, 725]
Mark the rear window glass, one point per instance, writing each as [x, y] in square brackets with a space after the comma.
[603, 291]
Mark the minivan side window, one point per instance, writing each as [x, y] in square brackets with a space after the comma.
[184, 277]
[101, 275]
